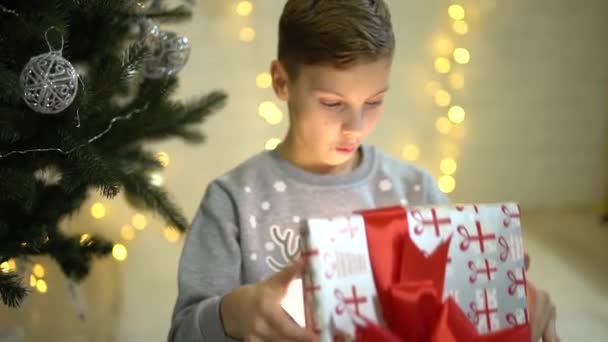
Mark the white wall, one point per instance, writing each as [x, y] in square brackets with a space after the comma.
[535, 95]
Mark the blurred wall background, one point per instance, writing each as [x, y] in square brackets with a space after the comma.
[533, 87]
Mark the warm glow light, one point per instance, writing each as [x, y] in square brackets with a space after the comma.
[271, 144]
[247, 34]
[4, 267]
[442, 65]
[462, 56]
[266, 108]
[33, 280]
[411, 152]
[119, 252]
[269, 111]
[443, 125]
[263, 80]
[244, 8]
[456, 12]
[84, 238]
[448, 166]
[456, 114]
[163, 158]
[443, 98]
[447, 184]
[38, 270]
[156, 179]
[98, 210]
[12, 265]
[460, 27]
[443, 46]
[127, 232]
[139, 221]
[171, 234]
[41, 286]
[456, 80]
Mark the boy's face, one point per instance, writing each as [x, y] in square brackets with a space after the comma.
[332, 111]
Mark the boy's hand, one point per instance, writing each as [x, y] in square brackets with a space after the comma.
[254, 313]
[542, 313]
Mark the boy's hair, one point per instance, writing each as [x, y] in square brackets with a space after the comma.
[338, 33]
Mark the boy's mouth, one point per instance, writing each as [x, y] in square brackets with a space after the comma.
[346, 149]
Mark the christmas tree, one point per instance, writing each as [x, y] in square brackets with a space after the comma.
[84, 85]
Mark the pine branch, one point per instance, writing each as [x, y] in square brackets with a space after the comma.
[12, 291]
[154, 198]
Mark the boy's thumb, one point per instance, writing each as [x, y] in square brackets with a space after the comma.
[282, 278]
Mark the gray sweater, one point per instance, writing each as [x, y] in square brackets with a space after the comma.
[247, 225]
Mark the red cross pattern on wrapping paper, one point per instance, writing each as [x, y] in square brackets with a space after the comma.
[349, 227]
[485, 306]
[517, 285]
[487, 269]
[434, 222]
[331, 264]
[504, 249]
[481, 238]
[310, 290]
[518, 318]
[344, 302]
[510, 216]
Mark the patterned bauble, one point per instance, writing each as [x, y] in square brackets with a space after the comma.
[49, 83]
[169, 54]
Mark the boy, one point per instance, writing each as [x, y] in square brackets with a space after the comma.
[334, 59]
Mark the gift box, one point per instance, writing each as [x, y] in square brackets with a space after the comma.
[417, 274]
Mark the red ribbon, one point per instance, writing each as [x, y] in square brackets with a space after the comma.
[410, 288]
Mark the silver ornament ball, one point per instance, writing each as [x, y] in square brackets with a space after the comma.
[49, 83]
[168, 56]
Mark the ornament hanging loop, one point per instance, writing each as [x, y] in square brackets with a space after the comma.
[48, 42]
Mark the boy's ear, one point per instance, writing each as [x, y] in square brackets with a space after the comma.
[280, 80]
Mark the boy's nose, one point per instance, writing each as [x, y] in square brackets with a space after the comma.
[353, 123]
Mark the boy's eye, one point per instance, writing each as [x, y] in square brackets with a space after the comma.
[331, 104]
[374, 103]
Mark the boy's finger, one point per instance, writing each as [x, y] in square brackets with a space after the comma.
[282, 278]
[550, 333]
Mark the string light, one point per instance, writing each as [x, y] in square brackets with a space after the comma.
[456, 81]
[263, 80]
[247, 34]
[84, 238]
[33, 280]
[456, 12]
[462, 55]
[119, 252]
[12, 265]
[460, 27]
[448, 166]
[443, 125]
[157, 179]
[4, 268]
[38, 270]
[171, 234]
[41, 286]
[127, 232]
[442, 65]
[139, 221]
[456, 114]
[271, 144]
[443, 46]
[244, 8]
[98, 210]
[443, 98]
[411, 152]
[269, 111]
[447, 184]
[163, 158]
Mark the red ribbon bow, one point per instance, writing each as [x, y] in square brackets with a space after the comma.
[410, 288]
